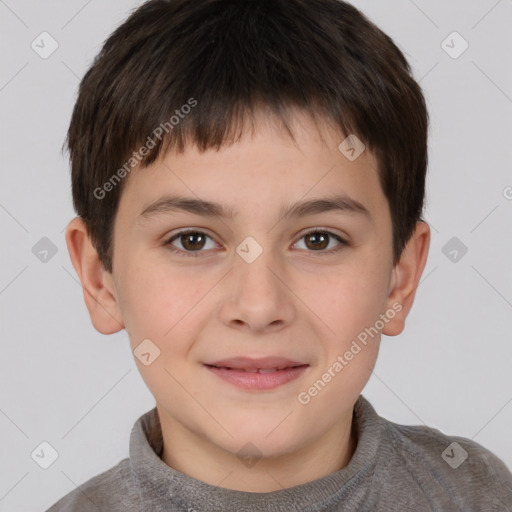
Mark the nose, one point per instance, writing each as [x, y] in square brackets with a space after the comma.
[256, 295]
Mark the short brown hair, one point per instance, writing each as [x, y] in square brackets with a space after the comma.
[231, 57]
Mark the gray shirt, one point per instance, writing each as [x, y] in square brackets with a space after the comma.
[394, 468]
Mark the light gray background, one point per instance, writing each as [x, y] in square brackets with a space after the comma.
[64, 383]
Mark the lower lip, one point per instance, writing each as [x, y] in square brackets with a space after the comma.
[258, 381]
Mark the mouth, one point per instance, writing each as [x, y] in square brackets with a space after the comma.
[257, 374]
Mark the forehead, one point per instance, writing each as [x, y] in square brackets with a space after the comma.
[266, 168]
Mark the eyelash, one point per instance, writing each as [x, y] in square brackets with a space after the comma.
[195, 254]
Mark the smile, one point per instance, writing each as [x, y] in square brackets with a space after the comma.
[258, 379]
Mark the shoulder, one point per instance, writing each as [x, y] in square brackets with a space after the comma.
[467, 471]
[109, 490]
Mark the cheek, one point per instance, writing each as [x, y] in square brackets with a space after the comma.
[156, 300]
[347, 301]
[351, 308]
[158, 306]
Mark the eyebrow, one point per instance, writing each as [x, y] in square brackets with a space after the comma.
[336, 203]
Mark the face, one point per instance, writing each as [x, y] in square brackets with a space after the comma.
[260, 283]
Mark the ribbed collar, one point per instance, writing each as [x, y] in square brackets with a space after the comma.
[163, 488]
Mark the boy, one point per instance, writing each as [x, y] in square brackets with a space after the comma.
[249, 177]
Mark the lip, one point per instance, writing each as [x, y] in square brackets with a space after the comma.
[253, 363]
[258, 373]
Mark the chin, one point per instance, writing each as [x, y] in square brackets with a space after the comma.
[269, 439]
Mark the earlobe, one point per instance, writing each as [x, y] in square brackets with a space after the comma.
[406, 277]
[97, 285]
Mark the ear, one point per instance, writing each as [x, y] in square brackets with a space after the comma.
[97, 283]
[406, 277]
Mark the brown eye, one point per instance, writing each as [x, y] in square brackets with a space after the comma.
[319, 241]
[191, 242]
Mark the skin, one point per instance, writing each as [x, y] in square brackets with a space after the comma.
[293, 301]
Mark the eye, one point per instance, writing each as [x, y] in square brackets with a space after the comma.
[319, 239]
[192, 241]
